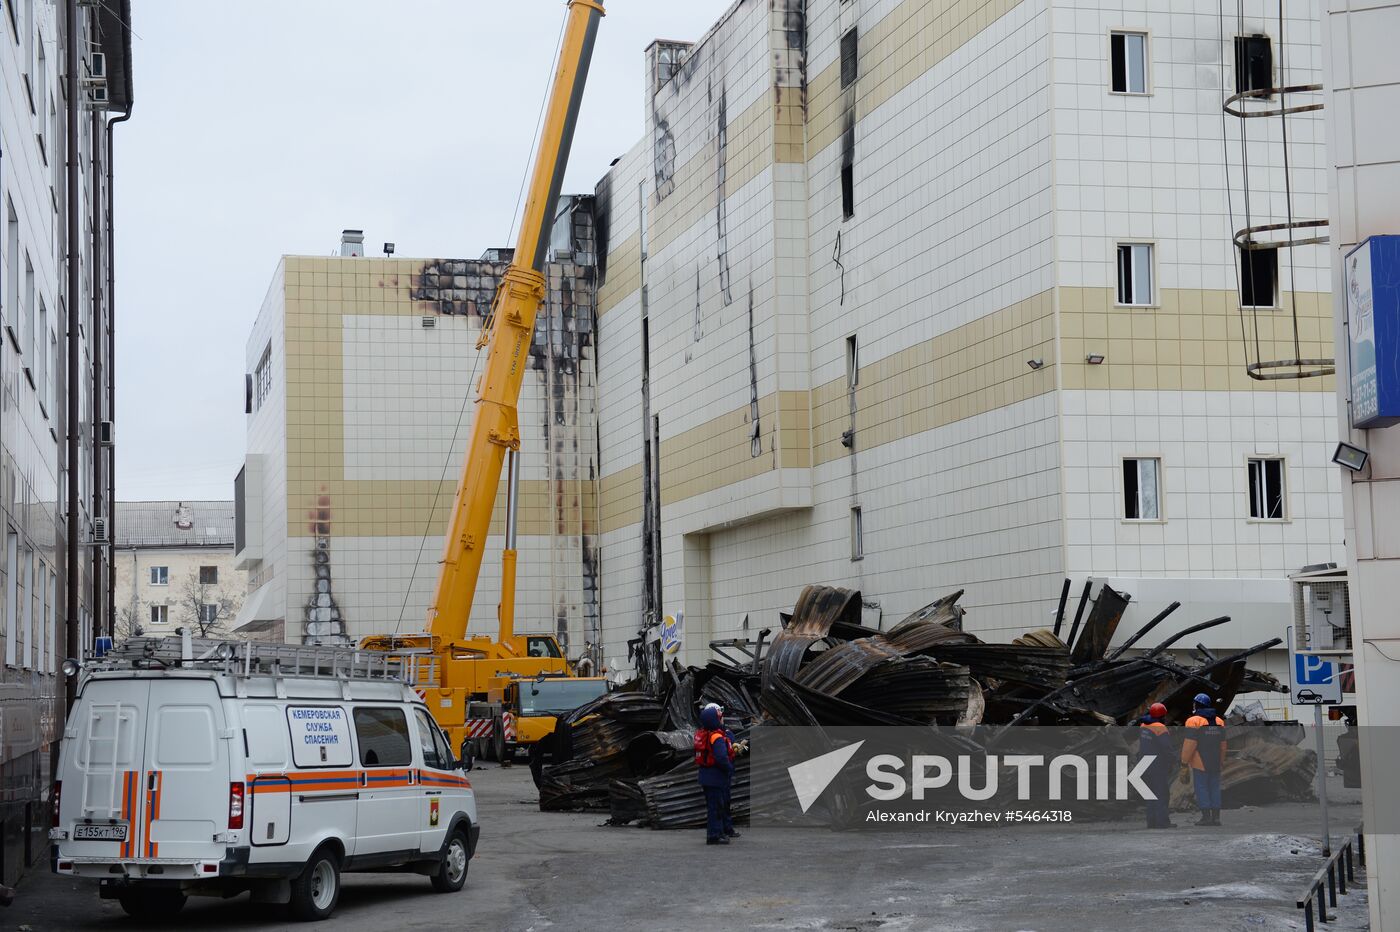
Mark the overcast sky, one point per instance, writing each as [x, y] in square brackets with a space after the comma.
[265, 127]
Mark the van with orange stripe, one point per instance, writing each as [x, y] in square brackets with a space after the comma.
[211, 768]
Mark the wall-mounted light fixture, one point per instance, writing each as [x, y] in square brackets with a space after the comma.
[388, 249]
[1094, 359]
[1036, 363]
[1353, 458]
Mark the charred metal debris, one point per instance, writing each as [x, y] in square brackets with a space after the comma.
[630, 753]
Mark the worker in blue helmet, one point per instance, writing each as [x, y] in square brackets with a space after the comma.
[1204, 753]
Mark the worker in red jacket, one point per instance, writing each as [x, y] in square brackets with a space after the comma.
[1204, 753]
[714, 757]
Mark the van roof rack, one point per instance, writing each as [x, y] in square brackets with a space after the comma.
[263, 658]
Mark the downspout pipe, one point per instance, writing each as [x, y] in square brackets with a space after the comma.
[72, 311]
[98, 338]
[112, 387]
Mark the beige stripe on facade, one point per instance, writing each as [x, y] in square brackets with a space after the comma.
[1195, 341]
[908, 41]
[777, 127]
[967, 371]
[316, 416]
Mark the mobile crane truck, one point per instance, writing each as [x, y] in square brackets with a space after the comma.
[504, 692]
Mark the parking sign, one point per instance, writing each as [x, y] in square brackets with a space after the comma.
[1316, 680]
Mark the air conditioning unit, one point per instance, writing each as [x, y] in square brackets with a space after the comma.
[104, 433]
[1321, 610]
[429, 322]
[99, 530]
[97, 98]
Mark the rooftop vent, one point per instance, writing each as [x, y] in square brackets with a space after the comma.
[352, 242]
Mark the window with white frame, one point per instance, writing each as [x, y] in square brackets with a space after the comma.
[1142, 489]
[1128, 61]
[208, 613]
[12, 264]
[160, 575]
[12, 595]
[1267, 492]
[857, 534]
[1135, 274]
[31, 580]
[160, 614]
[263, 378]
[852, 362]
[1259, 277]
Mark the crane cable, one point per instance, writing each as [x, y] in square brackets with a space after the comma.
[488, 319]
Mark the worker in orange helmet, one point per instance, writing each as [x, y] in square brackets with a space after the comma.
[1204, 753]
[1156, 743]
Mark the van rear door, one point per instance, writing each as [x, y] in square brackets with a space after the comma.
[102, 799]
[186, 786]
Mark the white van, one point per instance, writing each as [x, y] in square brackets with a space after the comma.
[210, 768]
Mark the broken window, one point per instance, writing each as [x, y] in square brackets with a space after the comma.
[1135, 273]
[1141, 489]
[1259, 277]
[852, 362]
[1128, 61]
[848, 192]
[1266, 489]
[849, 55]
[857, 535]
[1254, 63]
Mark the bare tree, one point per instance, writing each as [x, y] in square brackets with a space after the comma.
[131, 621]
[205, 607]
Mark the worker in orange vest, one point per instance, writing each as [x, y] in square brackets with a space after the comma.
[1204, 753]
[1155, 742]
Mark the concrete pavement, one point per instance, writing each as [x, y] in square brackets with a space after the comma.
[537, 871]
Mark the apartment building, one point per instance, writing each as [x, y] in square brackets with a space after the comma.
[914, 297]
[361, 382]
[175, 569]
[55, 416]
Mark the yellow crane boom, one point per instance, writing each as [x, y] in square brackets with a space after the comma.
[507, 336]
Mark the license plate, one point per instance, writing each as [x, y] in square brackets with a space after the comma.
[100, 832]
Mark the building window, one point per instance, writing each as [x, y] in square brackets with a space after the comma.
[12, 263]
[41, 79]
[1128, 54]
[1266, 489]
[208, 614]
[263, 377]
[160, 575]
[30, 337]
[849, 57]
[848, 191]
[1142, 490]
[857, 534]
[208, 575]
[160, 614]
[31, 580]
[12, 595]
[1254, 64]
[41, 363]
[852, 362]
[1135, 274]
[1259, 277]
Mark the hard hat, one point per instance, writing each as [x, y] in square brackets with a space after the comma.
[1201, 699]
[1157, 710]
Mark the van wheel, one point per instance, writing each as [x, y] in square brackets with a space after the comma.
[452, 872]
[158, 903]
[316, 890]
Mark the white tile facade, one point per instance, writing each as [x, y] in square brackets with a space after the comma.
[997, 169]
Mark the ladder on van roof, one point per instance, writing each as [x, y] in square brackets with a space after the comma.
[262, 658]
